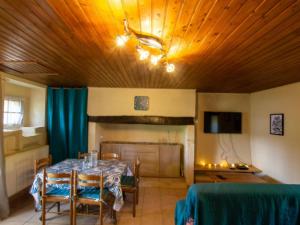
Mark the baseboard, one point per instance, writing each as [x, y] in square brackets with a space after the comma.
[19, 195]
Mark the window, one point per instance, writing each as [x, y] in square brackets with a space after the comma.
[13, 112]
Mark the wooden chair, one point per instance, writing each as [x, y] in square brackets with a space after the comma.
[40, 164]
[89, 190]
[109, 156]
[54, 194]
[130, 184]
[81, 155]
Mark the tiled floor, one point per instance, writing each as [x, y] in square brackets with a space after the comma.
[158, 197]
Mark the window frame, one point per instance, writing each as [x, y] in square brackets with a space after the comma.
[13, 126]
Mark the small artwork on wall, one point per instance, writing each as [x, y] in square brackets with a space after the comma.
[141, 103]
[277, 124]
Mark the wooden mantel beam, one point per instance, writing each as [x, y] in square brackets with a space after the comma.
[154, 120]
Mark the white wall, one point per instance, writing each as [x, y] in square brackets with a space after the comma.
[136, 133]
[37, 106]
[120, 101]
[277, 156]
[210, 146]
[142, 133]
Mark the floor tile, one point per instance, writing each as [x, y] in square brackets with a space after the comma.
[11, 223]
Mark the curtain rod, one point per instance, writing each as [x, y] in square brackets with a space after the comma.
[67, 87]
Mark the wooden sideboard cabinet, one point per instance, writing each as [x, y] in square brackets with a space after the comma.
[157, 159]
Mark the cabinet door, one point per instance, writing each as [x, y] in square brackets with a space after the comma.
[149, 157]
[24, 170]
[129, 152]
[10, 171]
[147, 154]
[19, 169]
[169, 160]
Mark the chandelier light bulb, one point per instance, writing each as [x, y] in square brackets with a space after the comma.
[170, 68]
[143, 54]
[155, 59]
[145, 42]
[121, 40]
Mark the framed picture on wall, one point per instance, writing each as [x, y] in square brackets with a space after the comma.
[141, 103]
[277, 124]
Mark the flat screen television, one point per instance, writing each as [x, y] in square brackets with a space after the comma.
[223, 122]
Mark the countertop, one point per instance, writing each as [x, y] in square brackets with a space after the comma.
[143, 143]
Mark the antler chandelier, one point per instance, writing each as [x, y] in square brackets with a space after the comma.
[148, 46]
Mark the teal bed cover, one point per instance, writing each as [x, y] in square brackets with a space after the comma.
[240, 204]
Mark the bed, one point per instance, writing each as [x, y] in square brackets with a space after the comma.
[239, 204]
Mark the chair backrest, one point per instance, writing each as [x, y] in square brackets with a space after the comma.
[41, 164]
[136, 169]
[81, 155]
[56, 178]
[84, 180]
[109, 155]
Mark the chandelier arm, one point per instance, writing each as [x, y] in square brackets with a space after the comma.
[148, 41]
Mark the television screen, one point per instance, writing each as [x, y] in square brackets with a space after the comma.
[223, 122]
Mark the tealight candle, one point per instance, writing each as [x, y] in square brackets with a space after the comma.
[202, 163]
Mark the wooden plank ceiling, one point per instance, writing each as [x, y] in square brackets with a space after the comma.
[216, 45]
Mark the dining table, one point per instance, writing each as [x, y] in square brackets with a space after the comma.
[112, 171]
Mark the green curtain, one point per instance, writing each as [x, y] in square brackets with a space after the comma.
[67, 122]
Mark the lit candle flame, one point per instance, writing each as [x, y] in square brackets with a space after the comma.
[202, 163]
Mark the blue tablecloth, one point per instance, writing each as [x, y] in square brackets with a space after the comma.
[112, 172]
[240, 204]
